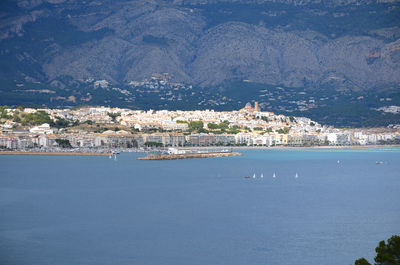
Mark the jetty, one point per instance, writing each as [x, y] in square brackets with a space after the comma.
[189, 155]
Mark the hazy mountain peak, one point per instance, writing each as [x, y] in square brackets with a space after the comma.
[331, 46]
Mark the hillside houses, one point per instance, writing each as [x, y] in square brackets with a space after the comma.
[247, 127]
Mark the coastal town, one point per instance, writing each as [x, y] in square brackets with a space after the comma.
[104, 128]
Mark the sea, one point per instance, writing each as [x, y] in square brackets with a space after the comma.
[93, 210]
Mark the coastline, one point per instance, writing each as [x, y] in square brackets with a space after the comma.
[54, 153]
[352, 147]
[88, 152]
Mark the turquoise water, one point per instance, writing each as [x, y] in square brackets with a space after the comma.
[94, 210]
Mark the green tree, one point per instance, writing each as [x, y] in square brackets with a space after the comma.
[60, 123]
[16, 117]
[133, 144]
[153, 144]
[114, 115]
[63, 143]
[386, 254]
[213, 126]
[3, 112]
[362, 261]
[202, 130]
[283, 131]
[36, 118]
[233, 131]
[224, 125]
[196, 125]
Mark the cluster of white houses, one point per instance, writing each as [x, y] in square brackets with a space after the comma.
[251, 127]
[248, 117]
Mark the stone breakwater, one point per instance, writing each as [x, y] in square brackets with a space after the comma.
[189, 155]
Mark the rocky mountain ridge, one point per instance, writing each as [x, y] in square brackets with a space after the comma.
[138, 39]
[312, 45]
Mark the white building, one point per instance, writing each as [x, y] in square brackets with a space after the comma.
[42, 129]
[332, 138]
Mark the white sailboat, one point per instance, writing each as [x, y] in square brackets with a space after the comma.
[274, 176]
[262, 175]
[296, 176]
[254, 176]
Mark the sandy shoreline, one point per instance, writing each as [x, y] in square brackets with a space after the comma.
[54, 153]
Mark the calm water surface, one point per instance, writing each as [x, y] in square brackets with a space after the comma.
[94, 210]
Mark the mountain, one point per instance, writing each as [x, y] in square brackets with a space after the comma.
[337, 61]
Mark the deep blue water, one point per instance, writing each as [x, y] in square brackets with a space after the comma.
[94, 210]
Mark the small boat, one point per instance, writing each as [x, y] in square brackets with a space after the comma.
[379, 162]
[274, 176]
[262, 175]
[254, 176]
[338, 161]
[115, 157]
[296, 176]
[246, 177]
